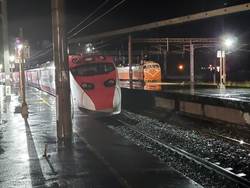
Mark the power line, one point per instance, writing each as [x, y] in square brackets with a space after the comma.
[40, 54]
[86, 18]
[96, 19]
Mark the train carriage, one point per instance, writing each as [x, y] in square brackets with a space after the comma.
[93, 79]
[95, 83]
[47, 78]
[32, 77]
[144, 76]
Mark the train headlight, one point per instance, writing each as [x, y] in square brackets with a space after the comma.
[110, 83]
[88, 86]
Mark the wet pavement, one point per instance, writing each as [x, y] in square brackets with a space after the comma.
[96, 157]
[238, 98]
[241, 95]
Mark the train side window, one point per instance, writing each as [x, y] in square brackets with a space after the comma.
[108, 68]
[155, 66]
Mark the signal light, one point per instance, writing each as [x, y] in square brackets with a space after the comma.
[181, 67]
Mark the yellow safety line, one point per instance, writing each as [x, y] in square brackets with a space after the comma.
[44, 101]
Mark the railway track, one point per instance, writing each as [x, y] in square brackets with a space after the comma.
[237, 178]
[241, 142]
[203, 131]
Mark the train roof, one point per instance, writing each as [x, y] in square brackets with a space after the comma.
[149, 62]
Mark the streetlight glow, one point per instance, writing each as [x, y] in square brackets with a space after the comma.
[12, 58]
[20, 46]
[229, 41]
[180, 67]
[88, 49]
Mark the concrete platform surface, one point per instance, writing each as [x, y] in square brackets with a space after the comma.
[97, 157]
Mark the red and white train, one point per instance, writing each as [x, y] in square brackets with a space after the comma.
[94, 82]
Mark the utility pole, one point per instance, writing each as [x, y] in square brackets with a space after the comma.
[224, 68]
[221, 69]
[221, 55]
[165, 61]
[21, 53]
[63, 106]
[5, 46]
[130, 61]
[191, 65]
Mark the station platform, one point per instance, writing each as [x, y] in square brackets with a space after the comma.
[221, 105]
[96, 156]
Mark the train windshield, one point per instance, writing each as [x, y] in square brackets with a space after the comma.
[93, 69]
[151, 66]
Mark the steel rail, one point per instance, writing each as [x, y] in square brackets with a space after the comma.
[222, 171]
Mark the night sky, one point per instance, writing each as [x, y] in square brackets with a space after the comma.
[34, 16]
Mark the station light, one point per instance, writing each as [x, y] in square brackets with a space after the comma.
[88, 49]
[12, 58]
[228, 42]
[218, 68]
[181, 67]
[20, 46]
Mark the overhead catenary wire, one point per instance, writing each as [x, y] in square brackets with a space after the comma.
[86, 18]
[41, 54]
[96, 19]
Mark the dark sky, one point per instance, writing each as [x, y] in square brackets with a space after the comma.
[35, 16]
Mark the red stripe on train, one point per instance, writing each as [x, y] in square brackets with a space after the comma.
[101, 95]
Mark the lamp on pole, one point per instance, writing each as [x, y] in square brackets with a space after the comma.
[22, 53]
[227, 44]
[12, 58]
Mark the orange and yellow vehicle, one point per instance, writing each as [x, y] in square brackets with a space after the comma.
[146, 75]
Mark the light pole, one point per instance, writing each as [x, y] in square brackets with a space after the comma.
[63, 109]
[12, 58]
[228, 42]
[221, 55]
[22, 52]
[4, 28]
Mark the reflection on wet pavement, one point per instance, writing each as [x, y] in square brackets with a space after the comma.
[228, 94]
[22, 147]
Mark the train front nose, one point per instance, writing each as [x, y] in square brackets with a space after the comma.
[98, 85]
[101, 92]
